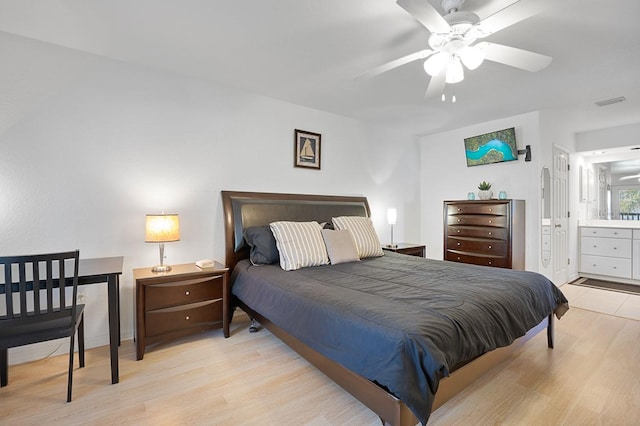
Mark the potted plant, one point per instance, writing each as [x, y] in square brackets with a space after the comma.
[485, 190]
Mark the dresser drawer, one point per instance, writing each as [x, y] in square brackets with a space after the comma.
[479, 232]
[605, 232]
[488, 247]
[477, 208]
[611, 266]
[500, 262]
[479, 220]
[610, 247]
[182, 292]
[180, 318]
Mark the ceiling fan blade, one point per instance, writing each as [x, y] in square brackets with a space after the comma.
[512, 56]
[395, 64]
[518, 11]
[426, 14]
[629, 177]
[436, 85]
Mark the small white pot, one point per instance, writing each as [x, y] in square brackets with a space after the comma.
[485, 195]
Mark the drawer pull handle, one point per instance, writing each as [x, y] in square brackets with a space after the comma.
[615, 248]
[489, 246]
[459, 210]
[458, 231]
[187, 317]
[489, 221]
[186, 293]
[458, 243]
[615, 267]
[458, 220]
[458, 257]
[489, 233]
[490, 210]
[489, 262]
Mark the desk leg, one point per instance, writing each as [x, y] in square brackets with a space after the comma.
[114, 329]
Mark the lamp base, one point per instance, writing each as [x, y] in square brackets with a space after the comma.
[161, 268]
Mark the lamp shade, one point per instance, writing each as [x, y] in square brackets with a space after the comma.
[392, 216]
[162, 228]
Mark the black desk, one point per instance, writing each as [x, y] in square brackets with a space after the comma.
[104, 270]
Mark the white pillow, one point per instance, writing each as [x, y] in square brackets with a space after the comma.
[340, 246]
[300, 244]
[363, 233]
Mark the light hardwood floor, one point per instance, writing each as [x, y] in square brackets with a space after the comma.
[591, 377]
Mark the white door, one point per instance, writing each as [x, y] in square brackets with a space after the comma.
[560, 216]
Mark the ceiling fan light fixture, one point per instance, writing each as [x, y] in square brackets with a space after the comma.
[435, 63]
[472, 57]
[455, 73]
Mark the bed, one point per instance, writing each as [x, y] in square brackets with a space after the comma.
[400, 333]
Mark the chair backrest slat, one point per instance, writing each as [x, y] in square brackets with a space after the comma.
[36, 287]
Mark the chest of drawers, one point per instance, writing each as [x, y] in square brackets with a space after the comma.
[489, 233]
[183, 301]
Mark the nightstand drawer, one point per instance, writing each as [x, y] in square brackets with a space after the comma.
[182, 292]
[180, 318]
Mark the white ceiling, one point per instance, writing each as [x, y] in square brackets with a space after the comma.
[308, 51]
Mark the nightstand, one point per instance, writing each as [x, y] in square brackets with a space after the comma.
[183, 301]
[408, 248]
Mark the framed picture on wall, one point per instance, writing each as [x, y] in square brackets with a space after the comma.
[306, 149]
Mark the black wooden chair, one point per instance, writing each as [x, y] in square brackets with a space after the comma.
[40, 293]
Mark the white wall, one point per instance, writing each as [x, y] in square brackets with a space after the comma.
[445, 176]
[88, 146]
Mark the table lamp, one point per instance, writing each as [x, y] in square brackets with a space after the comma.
[392, 216]
[162, 228]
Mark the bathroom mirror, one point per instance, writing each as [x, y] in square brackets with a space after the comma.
[545, 215]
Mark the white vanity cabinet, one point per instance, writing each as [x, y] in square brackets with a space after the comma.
[635, 263]
[608, 251]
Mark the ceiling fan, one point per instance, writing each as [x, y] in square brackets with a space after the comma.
[453, 41]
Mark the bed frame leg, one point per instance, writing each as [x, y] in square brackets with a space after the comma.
[550, 332]
[253, 327]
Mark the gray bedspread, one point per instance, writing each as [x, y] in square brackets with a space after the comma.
[401, 321]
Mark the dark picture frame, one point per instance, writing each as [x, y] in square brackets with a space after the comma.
[306, 149]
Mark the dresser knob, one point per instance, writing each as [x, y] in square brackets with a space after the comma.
[489, 262]
[458, 243]
[187, 318]
[459, 210]
[489, 246]
[489, 221]
[490, 210]
[458, 231]
[489, 233]
[458, 220]
[458, 257]
[186, 293]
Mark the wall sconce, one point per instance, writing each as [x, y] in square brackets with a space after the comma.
[162, 228]
[392, 216]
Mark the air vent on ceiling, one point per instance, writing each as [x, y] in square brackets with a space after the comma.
[611, 101]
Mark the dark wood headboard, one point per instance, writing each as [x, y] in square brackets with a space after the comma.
[245, 209]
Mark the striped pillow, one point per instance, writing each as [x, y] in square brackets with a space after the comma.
[363, 232]
[300, 244]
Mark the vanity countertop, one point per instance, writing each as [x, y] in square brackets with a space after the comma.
[629, 224]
